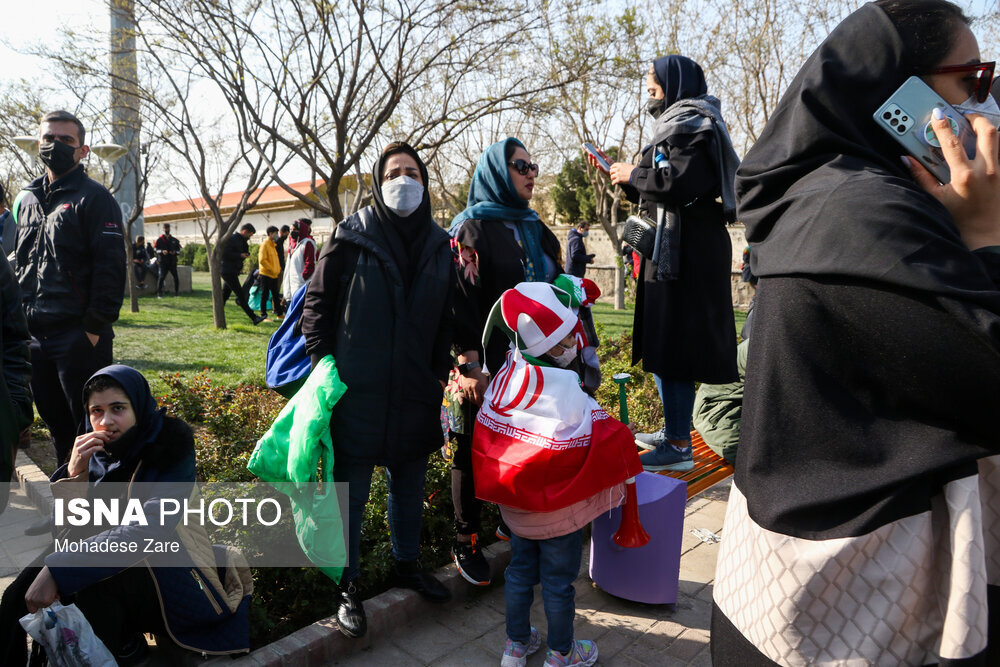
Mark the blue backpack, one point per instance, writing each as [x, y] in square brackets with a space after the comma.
[288, 364]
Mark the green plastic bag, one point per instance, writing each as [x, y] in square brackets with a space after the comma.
[288, 456]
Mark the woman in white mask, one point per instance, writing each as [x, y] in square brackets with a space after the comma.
[380, 302]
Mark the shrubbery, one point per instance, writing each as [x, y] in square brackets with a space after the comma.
[194, 255]
[228, 421]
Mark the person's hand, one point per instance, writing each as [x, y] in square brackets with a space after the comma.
[474, 385]
[621, 172]
[244, 255]
[42, 592]
[632, 427]
[93, 338]
[83, 448]
[973, 195]
[594, 163]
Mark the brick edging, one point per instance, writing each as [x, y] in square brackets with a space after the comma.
[34, 483]
[321, 642]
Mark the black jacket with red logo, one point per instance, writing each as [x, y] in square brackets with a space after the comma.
[70, 254]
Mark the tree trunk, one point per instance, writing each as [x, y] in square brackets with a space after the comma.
[215, 275]
[133, 294]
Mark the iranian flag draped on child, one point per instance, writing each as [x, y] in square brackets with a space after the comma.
[542, 443]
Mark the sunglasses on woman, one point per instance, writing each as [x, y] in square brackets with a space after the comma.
[523, 167]
[981, 74]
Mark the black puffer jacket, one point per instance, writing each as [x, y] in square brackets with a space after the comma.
[15, 373]
[391, 351]
[70, 254]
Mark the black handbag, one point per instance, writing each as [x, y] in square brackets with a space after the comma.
[640, 233]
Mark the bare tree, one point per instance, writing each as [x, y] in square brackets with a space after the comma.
[329, 82]
[20, 108]
[603, 105]
[207, 145]
[215, 151]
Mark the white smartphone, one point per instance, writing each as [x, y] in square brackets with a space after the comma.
[907, 116]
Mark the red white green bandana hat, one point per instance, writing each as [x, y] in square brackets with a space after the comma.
[534, 316]
[582, 291]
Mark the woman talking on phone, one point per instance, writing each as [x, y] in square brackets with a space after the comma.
[862, 523]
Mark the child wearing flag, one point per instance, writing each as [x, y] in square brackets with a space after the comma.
[545, 451]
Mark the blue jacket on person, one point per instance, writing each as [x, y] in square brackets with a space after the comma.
[576, 254]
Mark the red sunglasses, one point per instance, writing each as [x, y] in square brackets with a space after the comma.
[983, 73]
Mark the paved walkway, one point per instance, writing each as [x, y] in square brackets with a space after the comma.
[627, 633]
[18, 550]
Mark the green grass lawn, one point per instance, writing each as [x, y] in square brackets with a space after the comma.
[176, 334]
[615, 322]
[172, 335]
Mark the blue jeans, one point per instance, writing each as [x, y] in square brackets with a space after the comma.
[406, 507]
[555, 563]
[678, 404]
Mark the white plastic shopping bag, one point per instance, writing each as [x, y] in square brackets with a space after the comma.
[67, 637]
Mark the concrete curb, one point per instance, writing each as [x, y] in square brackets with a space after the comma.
[34, 483]
[321, 642]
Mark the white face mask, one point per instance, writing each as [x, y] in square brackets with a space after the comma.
[989, 108]
[566, 358]
[402, 195]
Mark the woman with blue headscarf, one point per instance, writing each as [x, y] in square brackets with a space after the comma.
[500, 242]
[684, 330]
[132, 448]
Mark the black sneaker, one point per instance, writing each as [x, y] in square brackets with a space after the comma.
[409, 575]
[471, 563]
[351, 619]
[257, 319]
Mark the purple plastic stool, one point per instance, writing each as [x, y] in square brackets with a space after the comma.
[649, 573]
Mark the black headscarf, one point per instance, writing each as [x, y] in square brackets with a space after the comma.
[123, 455]
[823, 192]
[680, 78]
[406, 236]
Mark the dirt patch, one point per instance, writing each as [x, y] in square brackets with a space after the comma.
[41, 450]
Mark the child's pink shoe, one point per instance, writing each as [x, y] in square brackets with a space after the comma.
[515, 654]
[584, 654]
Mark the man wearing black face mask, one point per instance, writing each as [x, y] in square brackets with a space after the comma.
[70, 265]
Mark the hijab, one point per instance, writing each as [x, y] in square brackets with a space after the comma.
[823, 192]
[118, 464]
[405, 235]
[680, 77]
[492, 196]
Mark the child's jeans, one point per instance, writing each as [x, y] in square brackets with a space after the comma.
[555, 563]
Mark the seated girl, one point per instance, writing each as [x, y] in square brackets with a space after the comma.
[130, 441]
